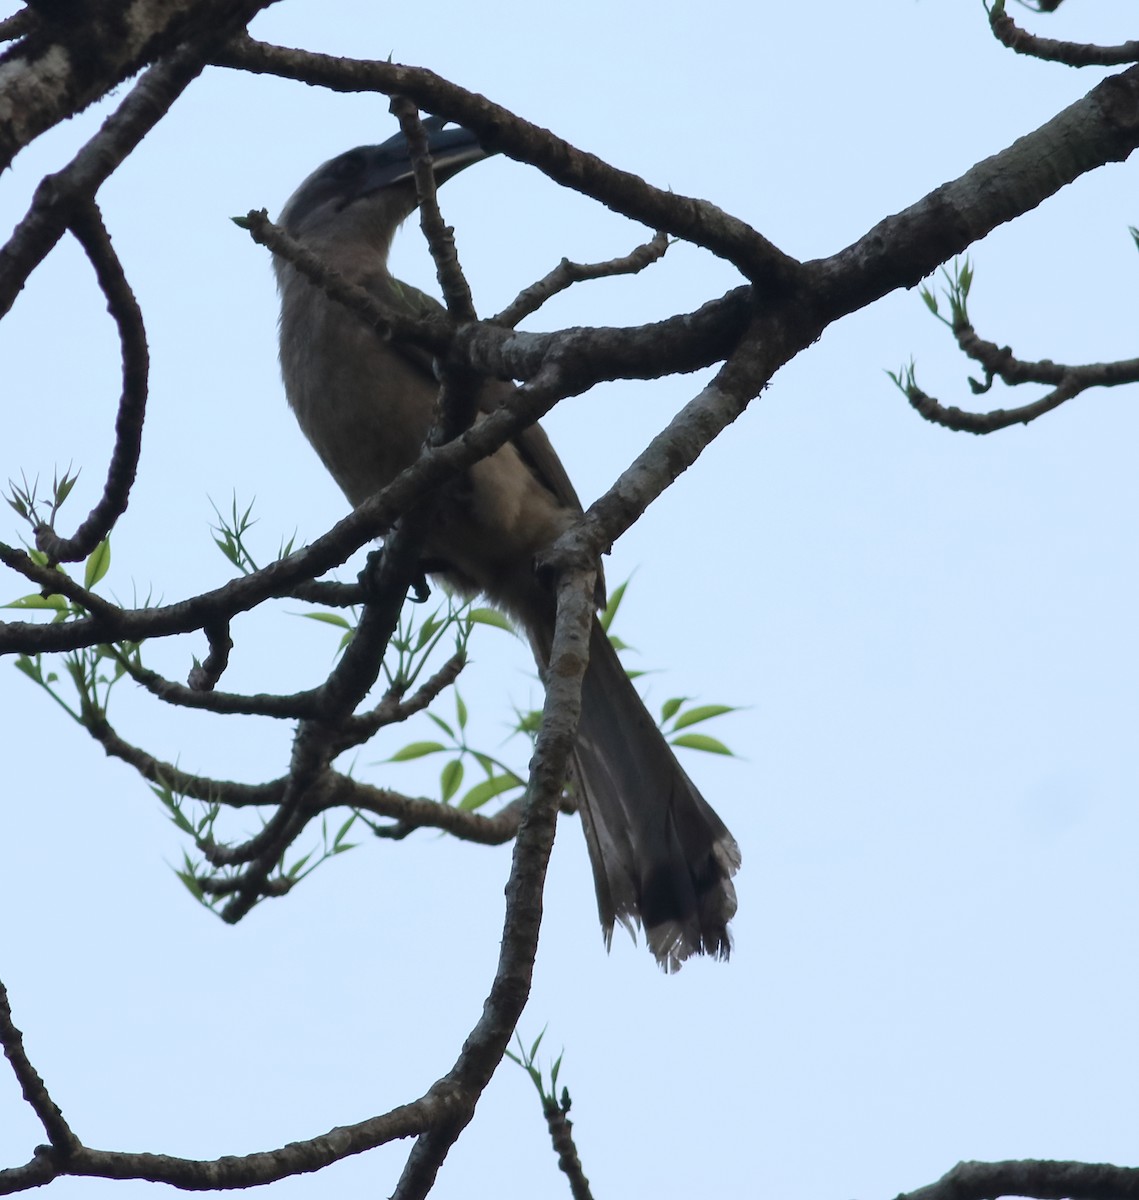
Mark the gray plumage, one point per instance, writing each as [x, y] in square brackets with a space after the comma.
[661, 856]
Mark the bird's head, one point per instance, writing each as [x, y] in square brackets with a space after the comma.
[368, 192]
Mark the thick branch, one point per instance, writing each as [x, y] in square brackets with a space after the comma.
[1039, 1179]
[59, 68]
[903, 249]
[696, 221]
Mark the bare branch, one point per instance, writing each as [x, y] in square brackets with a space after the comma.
[567, 273]
[87, 225]
[42, 87]
[409, 814]
[696, 221]
[999, 362]
[231, 1170]
[261, 704]
[63, 1141]
[903, 249]
[484, 1048]
[1039, 1179]
[431, 331]
[440, 239]
[392, 709]
[1071, 54]
[164, 774]
[55, 582]
[561, 1135]
[770, 343]
[204, 677]
[971, 422]
[60, 196]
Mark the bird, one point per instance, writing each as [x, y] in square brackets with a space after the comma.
[662, 858]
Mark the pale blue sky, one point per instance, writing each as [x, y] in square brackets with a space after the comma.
[932, 637]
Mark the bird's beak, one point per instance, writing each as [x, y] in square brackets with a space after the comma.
[451, 150]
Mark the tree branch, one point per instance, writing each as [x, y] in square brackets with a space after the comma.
[42, 85]
[1036, 1178]
[89, 230]
[567, 273]
[485, 1046]
[696, 221]
[1071, 54]
[903, 249]
[63, 1141]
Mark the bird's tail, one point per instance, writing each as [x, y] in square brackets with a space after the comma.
[661, 856]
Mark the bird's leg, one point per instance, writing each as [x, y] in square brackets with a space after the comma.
[369, 577]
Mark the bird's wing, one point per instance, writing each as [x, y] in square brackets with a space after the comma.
[532, 443]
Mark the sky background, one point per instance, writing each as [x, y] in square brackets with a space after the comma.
[931, 638]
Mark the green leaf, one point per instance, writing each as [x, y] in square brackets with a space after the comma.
[98, 564]
[328, 618]
[461, 711]
[187, 876]
[701, 741]
[489, 616]
[343, 830]
[30, 668]
[55, 602]
[614, 603]
[442, 724]
[537, 1043]
[427, 631]
[703, 712]
[485, 791]
[416, 750]
[670, 707]
[930, 299]
[298, 866]
[529, 722]
[485, 761]
[451, 778]
[63, 487]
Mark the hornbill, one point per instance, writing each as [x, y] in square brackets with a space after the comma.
[661, 856]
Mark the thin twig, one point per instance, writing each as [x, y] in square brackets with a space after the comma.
[567, 273]
[440, 238]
